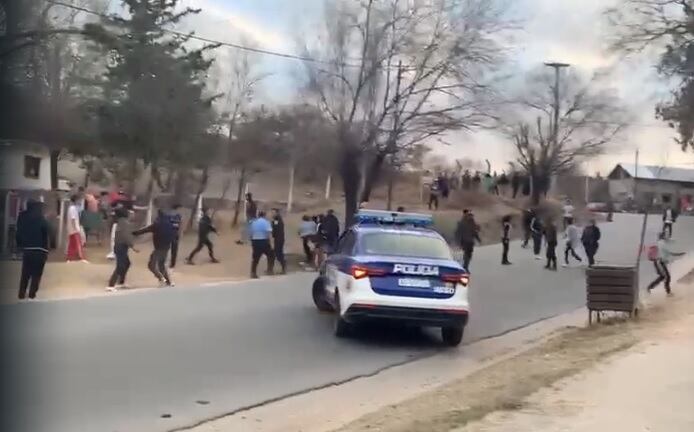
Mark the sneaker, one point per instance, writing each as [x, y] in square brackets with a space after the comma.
[111, 289]
[84, 261]
[189, 262]
[565, 265]
[254, 276]
[507, 263]
[162, 283]
[538, 258]
[170, 284]
[670, 294]
[215, 261]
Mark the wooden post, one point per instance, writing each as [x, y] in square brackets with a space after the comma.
[328, 186]
[6, 225]
[290, 194]
[61, 223]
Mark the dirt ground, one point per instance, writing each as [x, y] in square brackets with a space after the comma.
[624, 375]
[63, 280]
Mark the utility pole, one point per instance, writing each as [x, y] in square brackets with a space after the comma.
[394, 137]
[557, 105]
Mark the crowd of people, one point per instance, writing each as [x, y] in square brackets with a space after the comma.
[319, 235]
[502, 184]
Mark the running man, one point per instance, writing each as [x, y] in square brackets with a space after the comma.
[572, 242]
[205, 227]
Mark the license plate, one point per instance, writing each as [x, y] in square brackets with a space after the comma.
[444, 290]
[414, 283]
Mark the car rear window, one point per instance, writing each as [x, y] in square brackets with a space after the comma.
[404, 244]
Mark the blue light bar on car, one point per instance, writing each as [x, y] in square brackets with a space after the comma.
[382, 217]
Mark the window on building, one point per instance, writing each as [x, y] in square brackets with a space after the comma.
[32, 167]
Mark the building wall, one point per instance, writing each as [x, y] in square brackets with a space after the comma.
[12, 166]
[620, 190]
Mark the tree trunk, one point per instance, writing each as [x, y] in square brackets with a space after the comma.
[201, 189]
[55, 156]
[239, 196]
[351, 178]
[180, 191]
[225, 190]
[391, 182]
[372, 176]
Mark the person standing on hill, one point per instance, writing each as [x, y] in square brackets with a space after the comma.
[122, 244]
[162, 236]
[551, 237]
[176, 220]
[205, 228]
[536, 232]
[591, 241]
[466, 234]
[278, 238]
[32, 238]
[434, 191]
[515, 184]
[572, 242]
[505, 239]
[261, 230]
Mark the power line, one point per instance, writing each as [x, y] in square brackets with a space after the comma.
[208, 40]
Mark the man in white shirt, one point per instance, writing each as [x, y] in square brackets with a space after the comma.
[74, 232]
[669, 217]
[568, 213]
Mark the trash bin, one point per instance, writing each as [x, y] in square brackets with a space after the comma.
[612, 288]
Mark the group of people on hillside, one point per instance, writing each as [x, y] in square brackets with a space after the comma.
[492, 183]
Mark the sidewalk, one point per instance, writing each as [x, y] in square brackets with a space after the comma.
[649, 387]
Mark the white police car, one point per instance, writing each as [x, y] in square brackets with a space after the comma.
[391, 266]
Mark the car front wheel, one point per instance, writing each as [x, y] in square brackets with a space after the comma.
[452, 336]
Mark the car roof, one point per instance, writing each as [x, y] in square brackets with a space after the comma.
[396, 229]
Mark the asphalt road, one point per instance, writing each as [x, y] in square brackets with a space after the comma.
[188, 354]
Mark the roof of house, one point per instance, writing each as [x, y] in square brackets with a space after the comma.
[653, 172]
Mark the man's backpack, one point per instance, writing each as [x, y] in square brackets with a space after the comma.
[652, 252]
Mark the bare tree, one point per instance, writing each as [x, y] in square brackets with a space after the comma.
[668, 27]
[396, 73]
[239, 79]
[590, 117]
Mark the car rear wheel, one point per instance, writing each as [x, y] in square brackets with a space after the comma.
[343, 329]
[318, 293]
[452, 336]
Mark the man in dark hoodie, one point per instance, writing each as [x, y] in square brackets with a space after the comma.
[122, 243]
[552, 241]
[331, 227]
[278, 238]
[466, 234]
[505, 239]
[205, 227]
[32, 237]
[591, 241]
[528, 216]
[162, 236]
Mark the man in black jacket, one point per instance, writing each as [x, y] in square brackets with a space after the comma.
[551, 237]
[205, 228]
[466, 234]
[162, 236]
[505, 239]
[331, 227]
[278, 238]
[32, 237]
[591, 241]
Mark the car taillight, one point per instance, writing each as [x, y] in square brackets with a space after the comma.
[360, 272]
[457, 278]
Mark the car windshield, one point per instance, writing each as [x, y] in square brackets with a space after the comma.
[405, 244]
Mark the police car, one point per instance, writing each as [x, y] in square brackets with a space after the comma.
[393, 266]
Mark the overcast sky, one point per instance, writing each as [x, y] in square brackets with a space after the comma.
[571, 31]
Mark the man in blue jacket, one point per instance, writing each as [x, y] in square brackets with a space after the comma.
[260, 233]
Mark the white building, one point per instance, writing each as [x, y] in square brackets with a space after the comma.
[24, 166]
